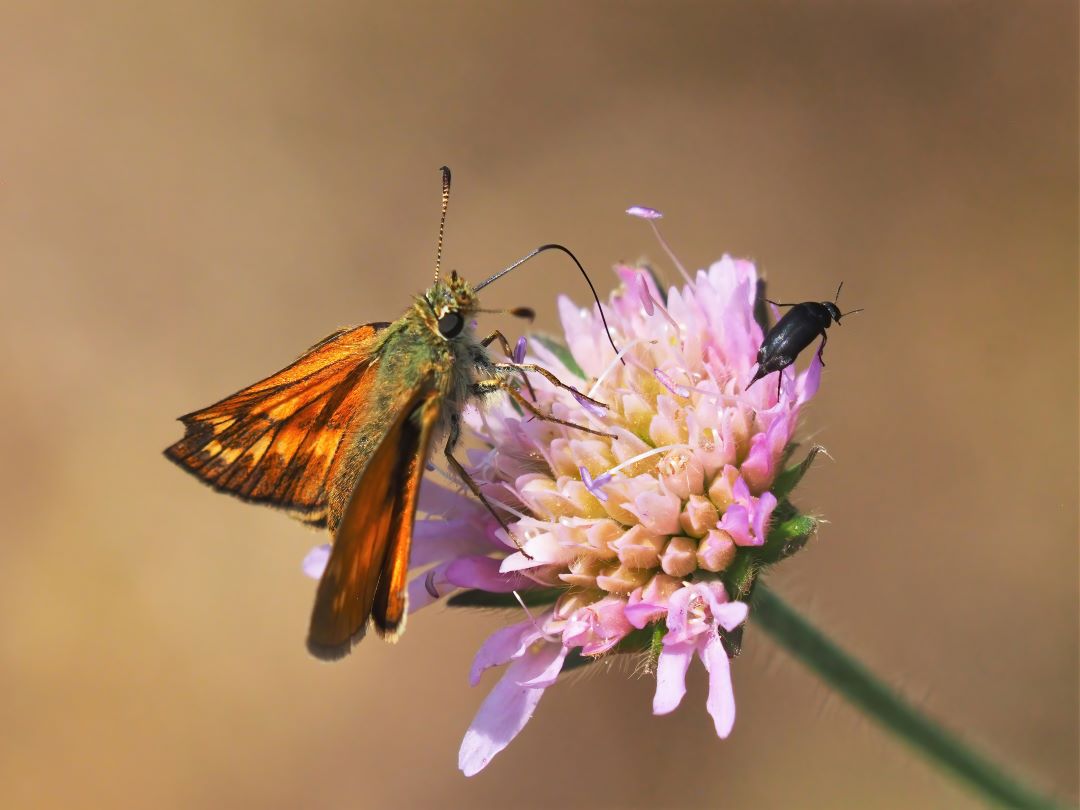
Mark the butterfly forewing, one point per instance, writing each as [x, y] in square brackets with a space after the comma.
[277, 442]
[366, 574]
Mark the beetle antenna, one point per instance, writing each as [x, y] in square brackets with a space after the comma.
[852, 312]
[442, 220]
[588, 281]
[837, 296]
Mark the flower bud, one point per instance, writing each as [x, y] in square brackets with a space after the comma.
[716, 551]
[582, 573]
[639, 548]
[698, 516]
[680, 557]
[682, 474]
[621, 579]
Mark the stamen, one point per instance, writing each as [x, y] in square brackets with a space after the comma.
[650, 215]
[532, 619]
[642, 456]
[646, 297]
[670, 384]
[590, 405]
[594, 484]
[618, 359]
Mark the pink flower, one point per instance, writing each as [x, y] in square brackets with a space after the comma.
[695, 615]
[626, 544]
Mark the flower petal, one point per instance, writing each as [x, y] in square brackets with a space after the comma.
[808, 382]
[671, 676]
[730, 615]
[429, 587]
[483, 573]
[315, 561]
[505, 644]
[642, 614]
[438, 540]
[721, 701]
[546, 676]
[506, 709]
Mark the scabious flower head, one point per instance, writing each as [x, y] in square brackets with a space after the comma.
[644, 540]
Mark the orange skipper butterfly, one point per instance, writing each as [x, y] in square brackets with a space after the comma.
[340, 439]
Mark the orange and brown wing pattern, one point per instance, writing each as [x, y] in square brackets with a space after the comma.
[366, 574]
[276, 442]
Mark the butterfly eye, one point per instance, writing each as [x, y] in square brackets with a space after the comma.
[451, 324]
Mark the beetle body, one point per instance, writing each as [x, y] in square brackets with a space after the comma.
[799, 327]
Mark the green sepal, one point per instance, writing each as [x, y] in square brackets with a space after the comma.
[562, 352]
[786, 537]
[789, 531]
[533, 597]
[786, 481]
[739, 576]
[637, 641]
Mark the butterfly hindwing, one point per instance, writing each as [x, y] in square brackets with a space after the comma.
[365, 576]
[277, 442]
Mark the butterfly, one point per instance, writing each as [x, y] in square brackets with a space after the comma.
[341, 438]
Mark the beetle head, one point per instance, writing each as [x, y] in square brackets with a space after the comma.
[832, 309]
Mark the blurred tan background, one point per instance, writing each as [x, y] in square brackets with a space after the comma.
[191, 195]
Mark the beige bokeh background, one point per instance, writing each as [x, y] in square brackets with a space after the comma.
[190, 194]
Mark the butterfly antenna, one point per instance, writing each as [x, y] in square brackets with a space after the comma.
[442, 220]
[588, 281]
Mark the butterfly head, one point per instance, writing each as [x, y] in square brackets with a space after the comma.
[448, 306]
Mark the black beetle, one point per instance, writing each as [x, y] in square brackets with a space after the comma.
[793, 333]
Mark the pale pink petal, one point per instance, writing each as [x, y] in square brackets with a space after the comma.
[483, 573]
[736, 522]
[448, 503]
[429, 587]
[763, 510]
[759, 467]
[671, 676]
[502, 646]
[550, 672]
[315, 561]
[438, 540]
[643, 614]
[809, 380]
[730, 614]
[721, 701]
[505, 710]
[519, 562]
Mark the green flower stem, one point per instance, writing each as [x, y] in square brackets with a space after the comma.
[852, 680]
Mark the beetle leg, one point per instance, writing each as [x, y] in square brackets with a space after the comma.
[779, 379]
[821, 349]
[778, 304]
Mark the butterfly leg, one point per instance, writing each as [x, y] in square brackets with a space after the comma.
[504, 344]
[551, 378]
[470, 482]
[487, 386]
